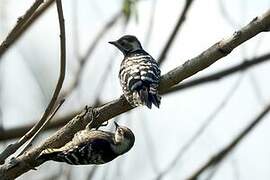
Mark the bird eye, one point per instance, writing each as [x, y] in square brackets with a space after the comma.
[122, 43]
[121, 131]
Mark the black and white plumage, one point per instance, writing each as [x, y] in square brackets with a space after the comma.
[92, 147]
[139, 73]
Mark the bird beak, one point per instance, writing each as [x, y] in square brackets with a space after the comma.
[113, 42]
[116, 125]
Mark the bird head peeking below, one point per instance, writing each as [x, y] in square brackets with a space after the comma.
[124, 139]
[127, 44]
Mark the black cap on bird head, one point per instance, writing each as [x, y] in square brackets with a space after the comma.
[127, 44]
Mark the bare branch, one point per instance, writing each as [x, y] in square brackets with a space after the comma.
[246, 64]
[12, 148]
[90, 50]
[181, 20]
[17, 132]
[20, 131]
[201, 130]
[30, 143]
[21, 20]
[217, 158]
[101, 114]
[150, 27]
[24, 23]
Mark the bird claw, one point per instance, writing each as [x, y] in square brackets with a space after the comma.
[103, 124]
[12, 163]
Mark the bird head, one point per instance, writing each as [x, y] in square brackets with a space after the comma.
[127, 43]
[124, 139]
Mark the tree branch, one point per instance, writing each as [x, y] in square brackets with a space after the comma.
[217, 158]
[90, 51]
[101, 114]
[200, 130]
[244, 65]
[12, 148]
[23, 24]
[17, 132]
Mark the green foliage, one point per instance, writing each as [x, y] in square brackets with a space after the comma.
[129, 9]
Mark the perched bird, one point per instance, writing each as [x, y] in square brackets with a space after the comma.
[92, 147]
[139, 73]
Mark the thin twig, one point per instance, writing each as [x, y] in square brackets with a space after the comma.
[18, 132]
[218, 157]
[150, 27]
[102, 82]
[12, 148]
[172, 37]
[90, 51]
[201, 129]
[11, 37]
[30, 143]
[226, 15]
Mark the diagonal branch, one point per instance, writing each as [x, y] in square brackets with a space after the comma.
[24, 23]
[17, 132]
[217, 158]
[200, 131]
[21, 20]
[30, 143]
[101, 114]
[221, 74]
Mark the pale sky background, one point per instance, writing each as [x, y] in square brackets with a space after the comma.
[29, 71]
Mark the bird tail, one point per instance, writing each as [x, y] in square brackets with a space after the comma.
[149, 96]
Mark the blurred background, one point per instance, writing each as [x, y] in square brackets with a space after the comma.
[191, 125]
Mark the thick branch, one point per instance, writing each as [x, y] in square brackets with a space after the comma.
[221, 74]
[17, 132]
[119, 106]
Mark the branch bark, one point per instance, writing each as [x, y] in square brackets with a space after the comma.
[101, 114]
[17, 132]
[244, 65]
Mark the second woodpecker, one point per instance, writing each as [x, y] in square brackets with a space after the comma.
[92, 147]
[139, 73]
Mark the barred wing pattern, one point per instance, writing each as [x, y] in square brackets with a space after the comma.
[85, 148]
[139, 77]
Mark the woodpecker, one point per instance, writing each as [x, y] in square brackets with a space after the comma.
[139, 73]
[92, 147]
